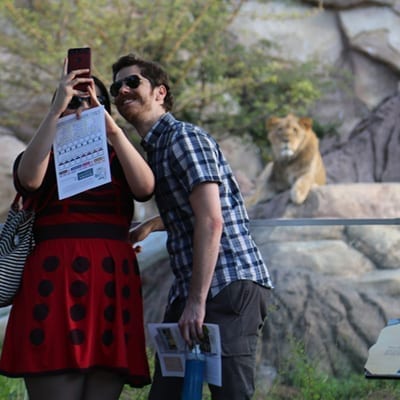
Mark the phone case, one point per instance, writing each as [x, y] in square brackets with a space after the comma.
[80, 58]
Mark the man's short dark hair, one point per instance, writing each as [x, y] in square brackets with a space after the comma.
[151, 70]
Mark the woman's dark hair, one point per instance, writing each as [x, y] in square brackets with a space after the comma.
[151, 70]
[103, 91]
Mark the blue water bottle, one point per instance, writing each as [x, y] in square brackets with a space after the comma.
[194, 375]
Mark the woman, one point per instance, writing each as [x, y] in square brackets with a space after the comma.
[75, 330]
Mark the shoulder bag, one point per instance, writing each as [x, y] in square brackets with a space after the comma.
[16, 243]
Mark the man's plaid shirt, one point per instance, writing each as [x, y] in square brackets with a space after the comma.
[182, 156]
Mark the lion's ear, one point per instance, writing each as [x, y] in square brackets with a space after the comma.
[306, 122]
[271, 122]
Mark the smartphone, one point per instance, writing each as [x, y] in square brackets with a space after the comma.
[80, 58]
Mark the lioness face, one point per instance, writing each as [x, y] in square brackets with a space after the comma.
[286, 135]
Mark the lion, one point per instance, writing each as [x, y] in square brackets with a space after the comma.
[297, 163]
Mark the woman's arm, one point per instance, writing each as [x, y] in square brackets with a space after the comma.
[34, 161]
[141, 231]
[137, 172]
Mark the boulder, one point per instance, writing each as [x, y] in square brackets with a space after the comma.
[341, 200]
[371, 153]
[367, 31]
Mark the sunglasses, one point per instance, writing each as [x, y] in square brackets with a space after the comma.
[77, 101]
[132, 81]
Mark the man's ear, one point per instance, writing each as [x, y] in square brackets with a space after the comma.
[161, 92]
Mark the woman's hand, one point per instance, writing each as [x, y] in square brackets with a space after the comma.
[66, 91]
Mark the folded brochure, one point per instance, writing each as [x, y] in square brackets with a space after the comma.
[172, 349]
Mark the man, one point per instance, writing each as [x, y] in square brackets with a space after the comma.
[219, 273]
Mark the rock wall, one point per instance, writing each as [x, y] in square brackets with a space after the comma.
[356, 43]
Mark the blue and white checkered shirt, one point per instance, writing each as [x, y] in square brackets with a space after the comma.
[182, 156]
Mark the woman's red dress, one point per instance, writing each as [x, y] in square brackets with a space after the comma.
[80, 303]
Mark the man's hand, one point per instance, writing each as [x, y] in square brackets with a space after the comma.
[191, 322]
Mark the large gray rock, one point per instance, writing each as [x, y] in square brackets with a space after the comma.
[367, 88]
[360, 200]
[374, 31]
[372, 153]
